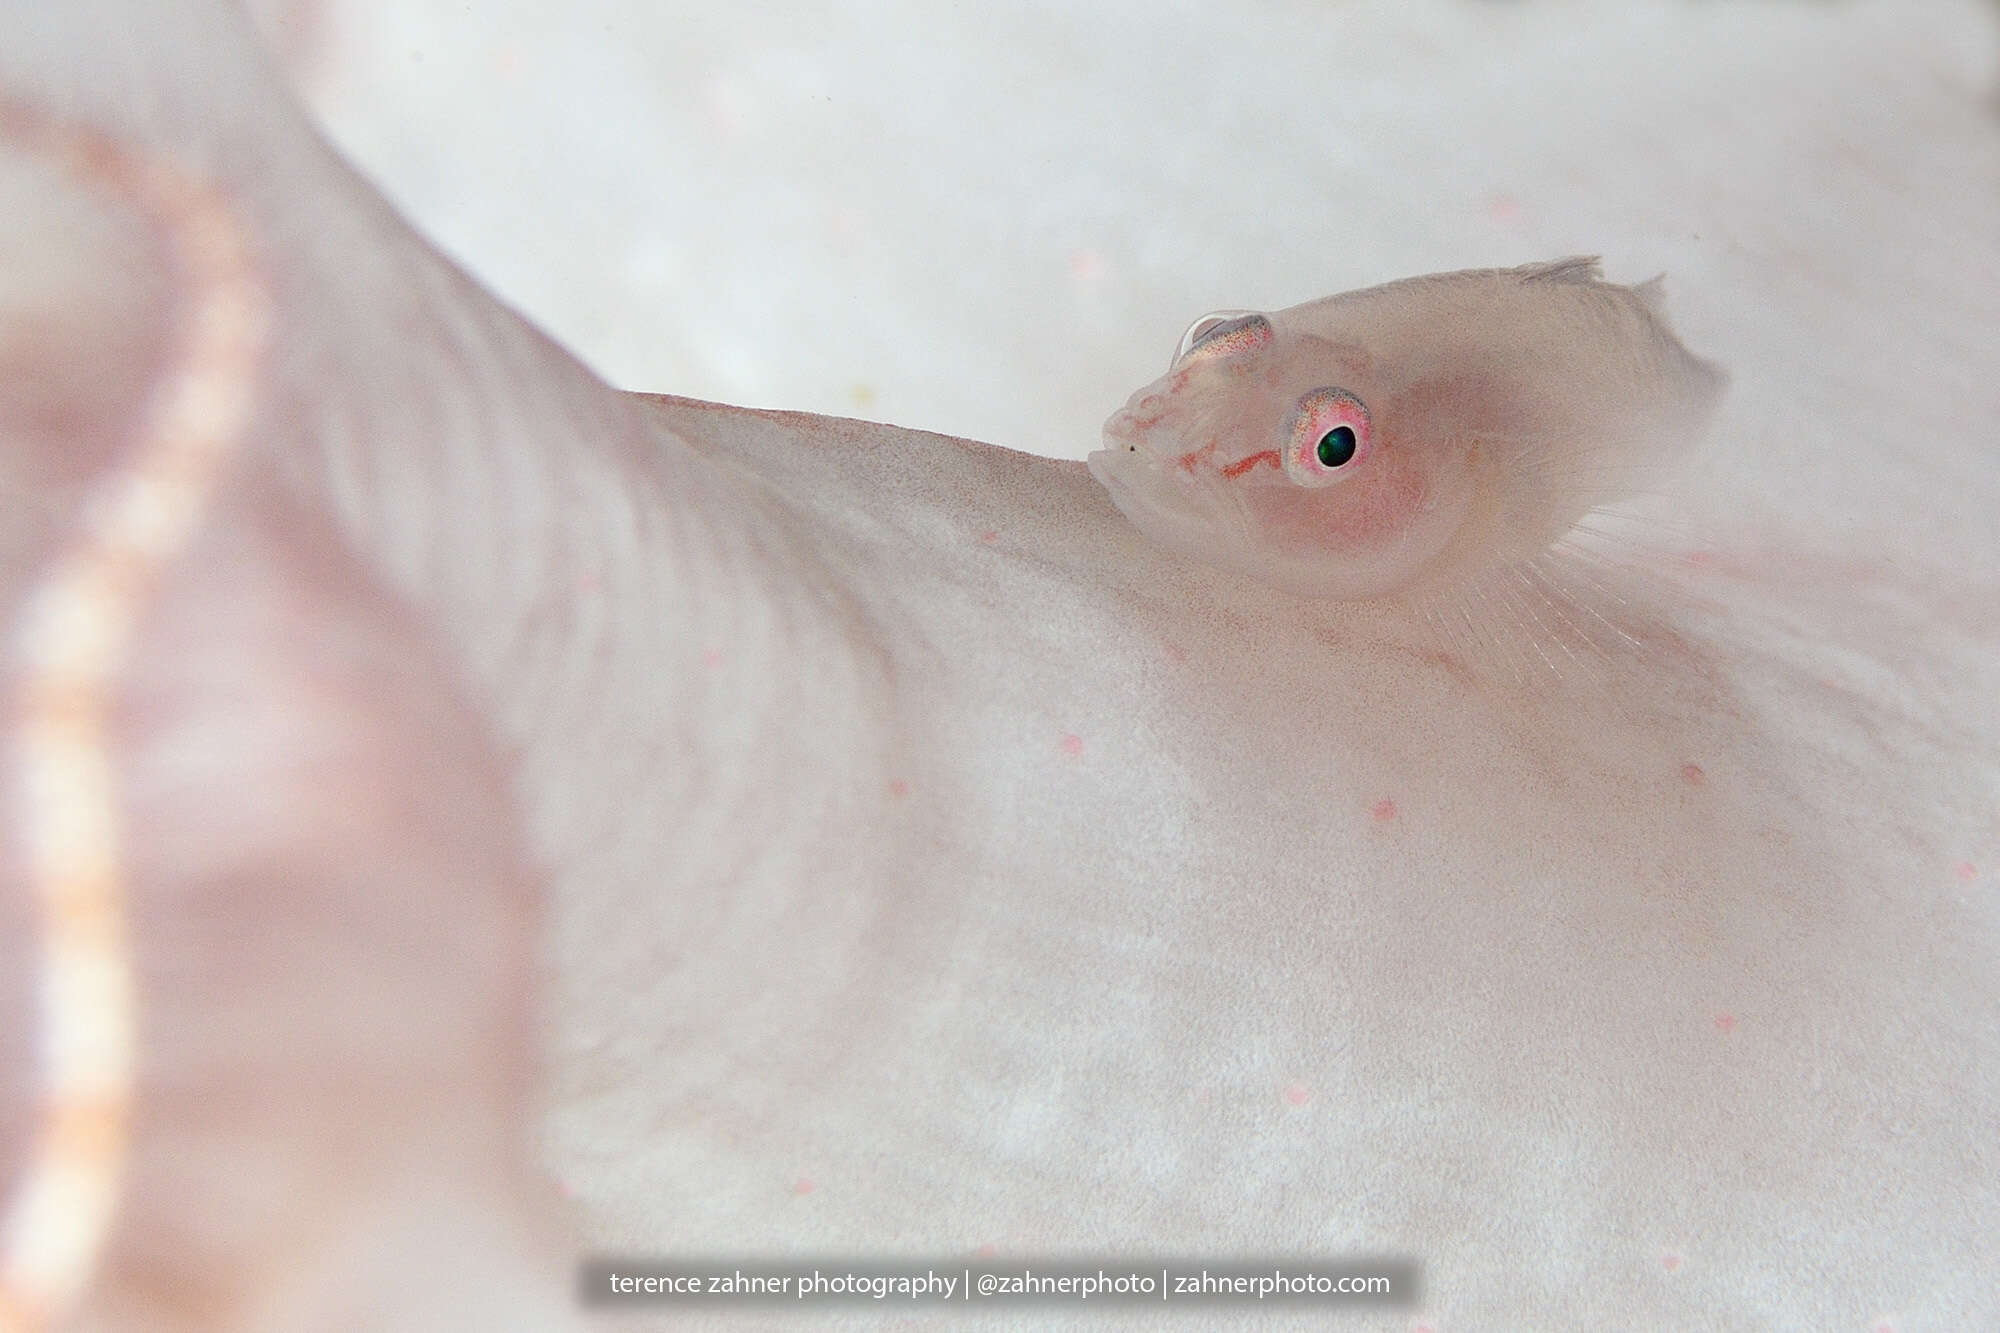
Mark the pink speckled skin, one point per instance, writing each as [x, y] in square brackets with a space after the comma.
[566, 820]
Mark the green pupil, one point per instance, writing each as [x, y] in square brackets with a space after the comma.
[1336, 446]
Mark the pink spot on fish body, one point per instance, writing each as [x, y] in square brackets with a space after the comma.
[989, 536]
[1725, 1022]
[1071, 744]
[1188, 460]
[1693, 775]
[898, 788]
[1243, 465]
[1147, 414]
[1502, 207]
[711, 658]
[1670, 1261]
[1382, 811]
[1966, 871]
[1297, 1094]
[802, 1187]
[986, 1251]
[1086, 265]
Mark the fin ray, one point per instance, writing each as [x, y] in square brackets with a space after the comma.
[1574, 268]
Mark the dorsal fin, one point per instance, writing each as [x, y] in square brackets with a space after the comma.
[1652, 293]
[1576, 268]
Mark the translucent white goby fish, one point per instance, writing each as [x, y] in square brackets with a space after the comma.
[1403, 438]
